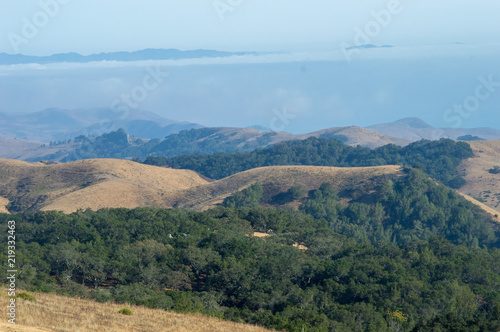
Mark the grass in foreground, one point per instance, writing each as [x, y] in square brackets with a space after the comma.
[58, 313]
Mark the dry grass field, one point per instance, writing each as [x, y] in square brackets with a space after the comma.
[57, 313]
[100, 183]
[93, 183]
[481, 184]
[280, 179]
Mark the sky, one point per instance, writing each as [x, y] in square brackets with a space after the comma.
[444, 51]
[94, 26]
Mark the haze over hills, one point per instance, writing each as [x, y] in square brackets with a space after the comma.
[415, 129]
[119, 144]
[56, 124]
[33, 132]
[146, 54]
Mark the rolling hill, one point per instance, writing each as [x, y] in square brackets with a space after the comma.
[278, 179]
[90, 184]
[188, 141]
[100, 183]
[358, 136]
[415, 129]
[112, 183]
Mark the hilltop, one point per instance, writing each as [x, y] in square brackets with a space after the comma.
[112, 183]
[100, 183]
[190, 140]
[90, 184]
[277, 179]
[415, 129]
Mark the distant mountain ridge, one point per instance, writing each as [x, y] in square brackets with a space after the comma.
[415, 129]
[26, 136]
[57, 124]
[146, 54]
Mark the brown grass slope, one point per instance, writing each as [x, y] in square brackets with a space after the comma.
[93, 183]
[111, 183]
[278, 179]
[481, 184]
[354, 136]
[57, 313]
[101, 183]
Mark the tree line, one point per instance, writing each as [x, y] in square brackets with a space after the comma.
[438, 158]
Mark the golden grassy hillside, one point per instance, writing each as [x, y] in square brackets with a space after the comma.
[99, 183]
[480, 183]
[280, 178]
[57, 313]
[94, 183]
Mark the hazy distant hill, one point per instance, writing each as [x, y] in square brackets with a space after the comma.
[55, 124]
[223, 139]
[147, 54]
[415, 129]
[358, 136]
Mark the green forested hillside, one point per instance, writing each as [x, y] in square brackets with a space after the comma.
[439, 159]
[415, 257]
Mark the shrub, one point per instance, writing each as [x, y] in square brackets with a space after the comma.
[495, 170]
[125, 311]
[296, 192]
[457, 182]
[26, 296]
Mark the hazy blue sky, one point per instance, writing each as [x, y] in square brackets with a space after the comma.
[426, 75]
[92, 26]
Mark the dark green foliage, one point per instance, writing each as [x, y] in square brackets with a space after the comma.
[470, 138]
[417, 258]
[439, 158]
[495, 170]
[26, 296]
[125, 311]
[411, 208]
[296, 192]
[292, 194]
[249, 197]
[457, 182]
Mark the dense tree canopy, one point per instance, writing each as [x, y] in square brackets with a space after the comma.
[439, 158]
[416, 258]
